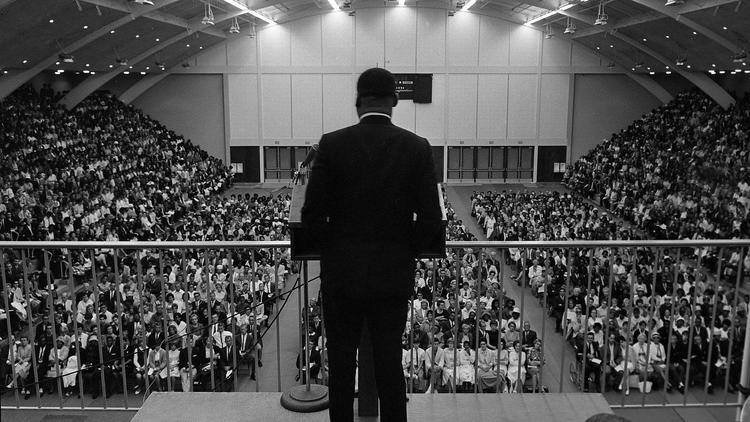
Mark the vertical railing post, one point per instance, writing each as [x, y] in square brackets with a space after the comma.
[670, 322]
[100, 336]
[71, 288]
[691, 333]
[233, 315]
[608, 319]
[651, 306]
[710, 330]
[585, 329]
[51, 290]
[565, 312]
[164, 315]
[11, 337]
[629, 337]
[457, 318]
[524, 282]
[501, 305]
[411, 343]
[745, 372]
[256, 339]
[118, 314]
[732, 332]
[32, 328]
[144, 343]
[275, 260]
[477, 319]
[211, 327]
[189, 329]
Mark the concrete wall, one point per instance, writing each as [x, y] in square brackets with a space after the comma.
[605, 104]
[192, 106]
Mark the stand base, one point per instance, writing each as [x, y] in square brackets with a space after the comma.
[298, 399]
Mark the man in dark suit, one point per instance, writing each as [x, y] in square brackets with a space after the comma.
[372, 204]
[528, 336]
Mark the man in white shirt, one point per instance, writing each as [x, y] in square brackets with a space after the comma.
[433, 364]
[658, 356]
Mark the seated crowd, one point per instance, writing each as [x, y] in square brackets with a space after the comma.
[680, 172]
[617, 310]
[164, 319]
[463, 333]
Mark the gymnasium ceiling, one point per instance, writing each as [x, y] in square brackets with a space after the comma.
[705, 34]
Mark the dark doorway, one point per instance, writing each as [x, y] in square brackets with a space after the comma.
[550, 165]
[246, 162]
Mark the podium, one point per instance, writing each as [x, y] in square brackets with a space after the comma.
[305, 247]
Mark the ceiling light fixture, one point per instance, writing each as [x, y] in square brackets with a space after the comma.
[157, 40]
[143, 73]
[92, 73]
[724, 28]
[570, 28]
[187, 45]
[668, 72]
[652, 73]
[208, 14]
[402, 3]
[334, 5]
[85, 27]
[24, 61]
[681, 61]
[51, 21]
[235, 28]
[601, 16]
[137, 35]
[674, 2]
[112, 31]
[548, 31]
[144, 2]
[126, 73]
[739, 57]
[644, 40]
[65, 58]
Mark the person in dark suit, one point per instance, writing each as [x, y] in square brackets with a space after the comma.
[372, 204]
[528, 336]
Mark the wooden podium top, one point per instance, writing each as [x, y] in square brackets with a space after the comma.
[304, 247]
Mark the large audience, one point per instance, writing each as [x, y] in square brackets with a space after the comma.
[192, 320]
[180, 320]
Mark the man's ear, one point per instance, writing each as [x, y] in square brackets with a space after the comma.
[395, 99]
[358, 102]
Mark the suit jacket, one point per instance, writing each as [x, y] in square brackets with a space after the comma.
[367, 182]
[528, 338]
[616, 355]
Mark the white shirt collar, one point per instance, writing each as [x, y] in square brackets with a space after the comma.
[373, 113]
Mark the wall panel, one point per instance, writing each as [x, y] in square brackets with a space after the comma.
[242, 51]
[556, 52]
[307, 96]
[463, 39]
[306, 41]
[400, 37]
[403, 115]
[462, 91]
[370, 29]
[431, 37]
[277, 107]
[274, 45]
[338, 102]
[494, 42]
[172, 102]
[522, 106]
[553, 115]
[243, 108]
[338, 36]
[493, 107]
[605, 104]
[524, 46]
[215, 55]
[582, 56]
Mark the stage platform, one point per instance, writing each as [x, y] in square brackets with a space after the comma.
[235, 407]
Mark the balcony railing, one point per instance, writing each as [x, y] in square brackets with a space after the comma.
[39, 278]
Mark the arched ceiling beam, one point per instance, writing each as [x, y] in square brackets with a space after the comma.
[706, 84]
[708, 33]
[92, 83]
[650, 17]
[11, 84]
[155, 15]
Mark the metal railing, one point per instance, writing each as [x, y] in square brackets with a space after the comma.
[469, 368]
